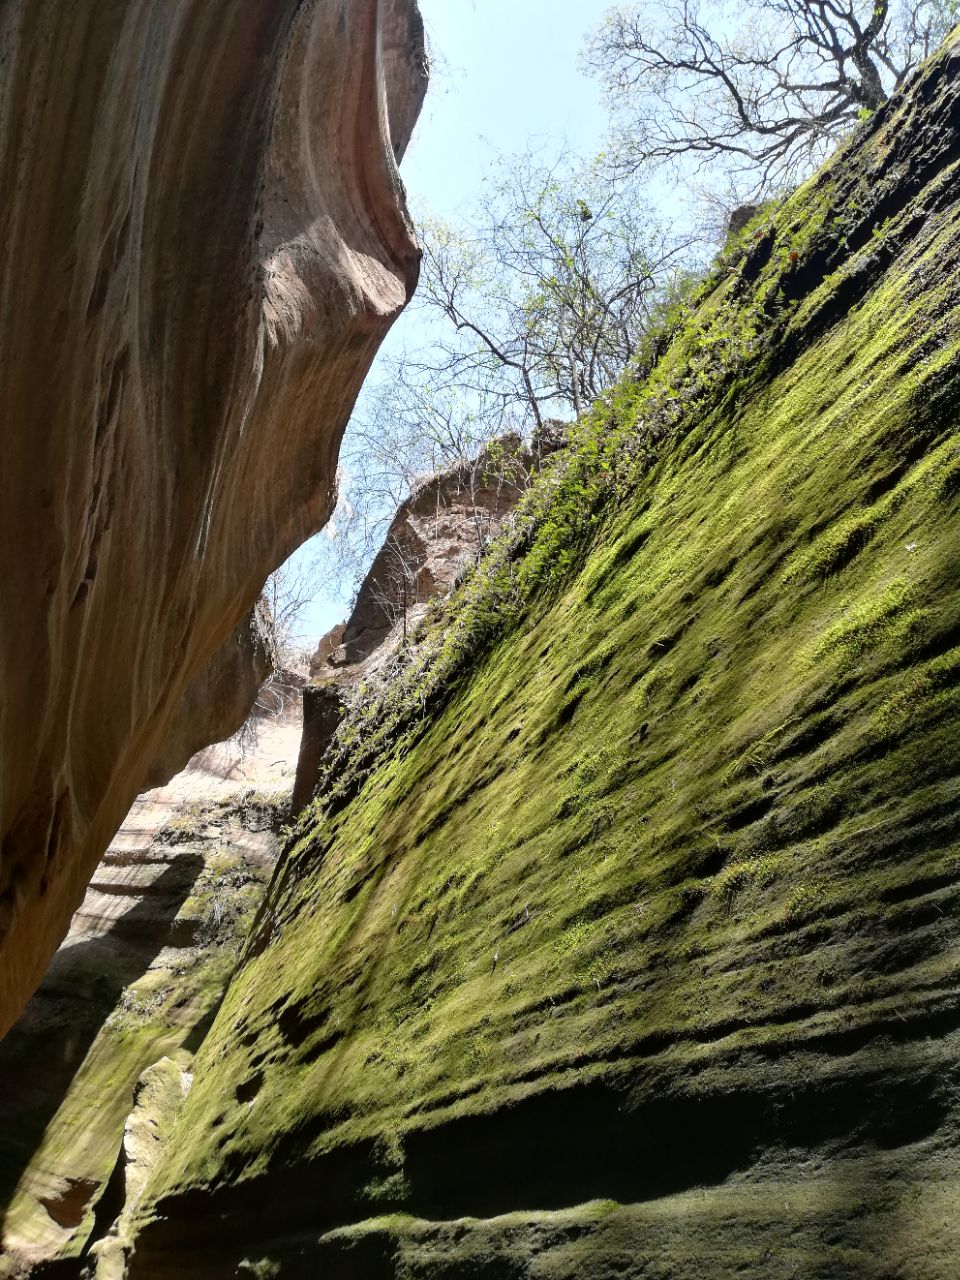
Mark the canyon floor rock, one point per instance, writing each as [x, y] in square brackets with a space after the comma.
[130, 994]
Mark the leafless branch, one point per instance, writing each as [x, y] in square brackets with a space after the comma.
[766, 95]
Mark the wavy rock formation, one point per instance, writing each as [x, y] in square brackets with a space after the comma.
[219, 700]
[436, 533]
[203, 240]
[139, 976]
[637, 955]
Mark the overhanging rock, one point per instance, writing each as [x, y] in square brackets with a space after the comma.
[204, 239]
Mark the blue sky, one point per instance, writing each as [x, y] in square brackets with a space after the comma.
[506, 72]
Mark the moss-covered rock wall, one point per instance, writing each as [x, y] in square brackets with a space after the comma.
[632, 950]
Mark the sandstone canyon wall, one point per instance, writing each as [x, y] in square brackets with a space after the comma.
[129, 995]
[203, 239]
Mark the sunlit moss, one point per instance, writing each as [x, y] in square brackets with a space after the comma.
[654, 807]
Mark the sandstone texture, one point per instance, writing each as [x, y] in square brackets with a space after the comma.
[219, 700]
[157, 1103]
[126, 1002]
[625, 939]
[204, 240]
[436, 534]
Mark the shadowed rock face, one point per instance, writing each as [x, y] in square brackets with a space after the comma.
[229, 700]
[203, 240]
[217, 702]
[139, 975]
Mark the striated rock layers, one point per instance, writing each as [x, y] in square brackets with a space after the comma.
[204, 239]
[635, 954]
[436, 533]
[138, 977]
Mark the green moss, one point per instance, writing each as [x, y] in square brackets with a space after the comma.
[670, 804]
[145, 1001]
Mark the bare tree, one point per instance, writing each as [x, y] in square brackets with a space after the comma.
[547, 293]
[534, 305]
[395, 589]
[767, 88]
[404, 431]
[286, 596]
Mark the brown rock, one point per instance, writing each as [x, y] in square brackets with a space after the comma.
[217, 702]
[204, 240]
[322, 712]
[437, 532]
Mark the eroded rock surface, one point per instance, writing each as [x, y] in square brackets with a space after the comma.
[436, 533]
[157, 1102]
[203, 240]
[147, 959]
[220, 699]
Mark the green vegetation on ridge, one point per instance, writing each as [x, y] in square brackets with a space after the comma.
[671, 805]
